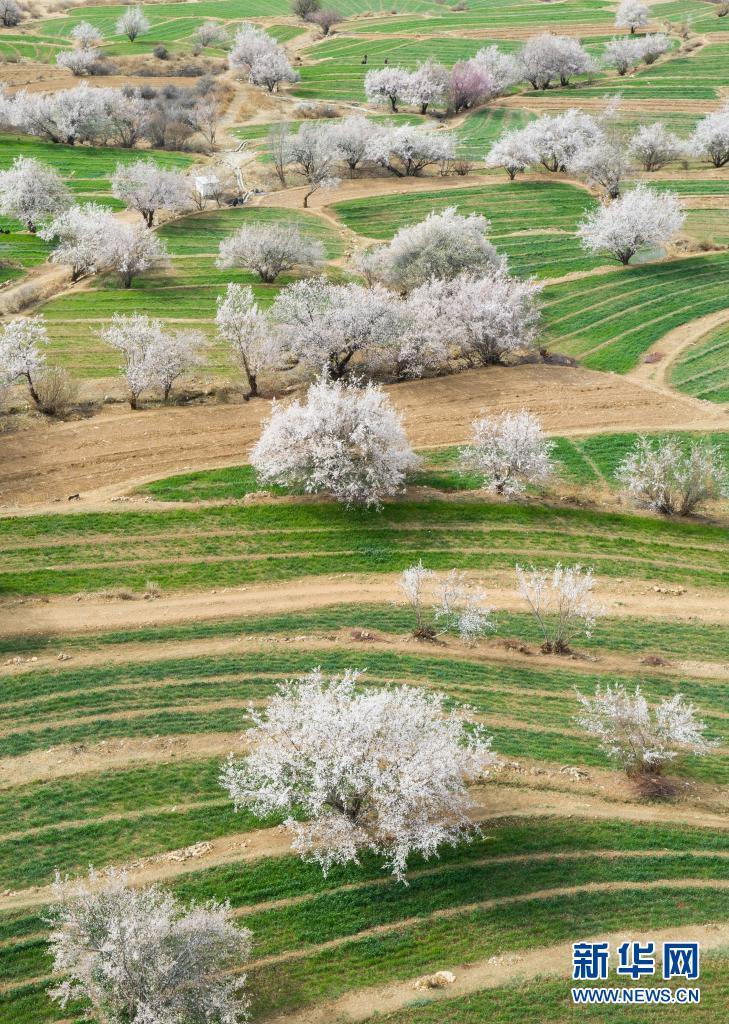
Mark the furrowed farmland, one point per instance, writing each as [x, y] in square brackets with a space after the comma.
[364, 512]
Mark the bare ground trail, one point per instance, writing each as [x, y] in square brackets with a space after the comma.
[106, 456]
[509, 969]
[671, 346]
[65, 616]
[494, 801]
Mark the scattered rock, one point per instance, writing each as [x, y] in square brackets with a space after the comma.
[671, 591]
[64, 657]
[362, 634]
[515, 645]
[441, 979]
[655, 661]
[574, 772]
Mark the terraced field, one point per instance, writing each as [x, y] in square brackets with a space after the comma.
[574, 875]
[609, 321]
[116, 711]
[186, 292]
[583, 461]
[533, 223]
[91, 551]
[702, 370]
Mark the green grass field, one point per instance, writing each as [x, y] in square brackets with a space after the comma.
[703, 370]
[609, 321]
[584, 461]
[89, 551]
[531, 222]
[184, 293]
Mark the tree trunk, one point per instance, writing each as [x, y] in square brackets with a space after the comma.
[393, 101]
[148, 217]
[126, 278]
[31, 388]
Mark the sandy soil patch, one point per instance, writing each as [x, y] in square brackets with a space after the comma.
[111, 453]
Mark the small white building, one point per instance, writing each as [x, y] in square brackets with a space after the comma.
[206, 185]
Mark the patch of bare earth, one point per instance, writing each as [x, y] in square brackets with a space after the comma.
[106, 456]
[496, 972]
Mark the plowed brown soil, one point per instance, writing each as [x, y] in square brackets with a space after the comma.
[107, 455]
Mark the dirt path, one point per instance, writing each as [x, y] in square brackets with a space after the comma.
[106, 456]
[508, 969]
[671, 346]
[494, 801]
[61, 616]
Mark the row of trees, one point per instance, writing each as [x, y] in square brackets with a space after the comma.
[593, 147]
[543, 60]
[346, 440]
[318, 153]
[335, 442]
[114, 117]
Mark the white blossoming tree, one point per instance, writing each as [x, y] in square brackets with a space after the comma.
[130, 250]
[672, 477]
[81, 234]
[653, 46]
[140, 956]
[153, 357]
[388, 85]
[342, 440]
[562, 603]
[556, 138]
[147, 188]
[257, 55]
[22, 341]
[406, 151]
[546, 57]
[442, 246]
[211, 33]
[653, 146]
[133, 23]
[508, 453]
[711, 137]
[324, 325]
[623, 54]
[31, 191]
[513, 152]
[641, 218]
[642, 740]
[632, 14]
[79, 62]
[11, 13]
[482, 319]
[247, 330]
[271, 69]
[604, 163]
[427, 85]
[312, 153]
[86, 36]
[384, 770]
[442, 604]
[503, 68]
[351, 137]
[270, 249]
